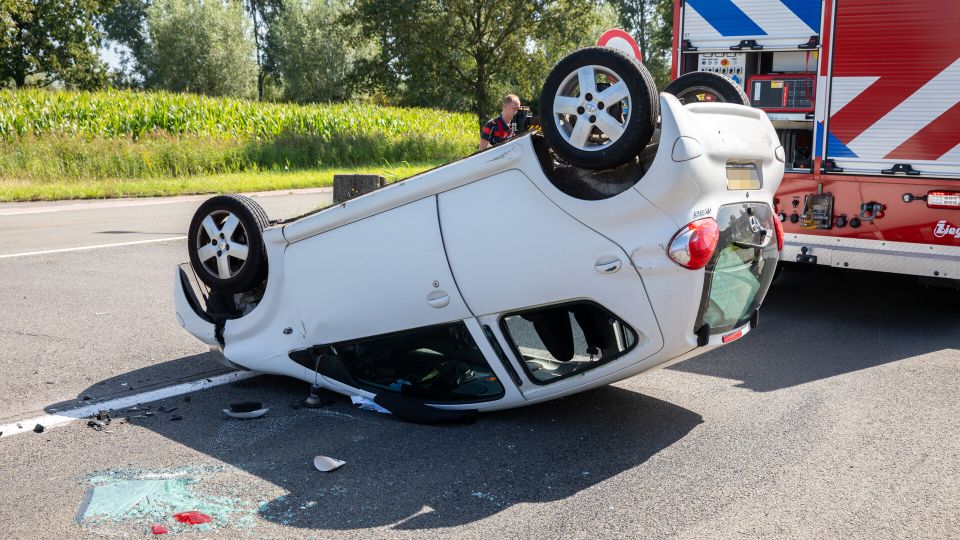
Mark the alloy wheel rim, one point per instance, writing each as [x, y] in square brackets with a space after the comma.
[581, 110]
[221, 244]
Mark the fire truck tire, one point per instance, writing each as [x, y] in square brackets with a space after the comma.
[706, 87]
[586, 127]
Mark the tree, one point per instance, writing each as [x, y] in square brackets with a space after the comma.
[314, 48]
[200, 46]
[453, 53]
[651, 23]
[263, 16]
[125, 27]
[45, 41]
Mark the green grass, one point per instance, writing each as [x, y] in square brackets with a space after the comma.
[86, 188]
[66, 144]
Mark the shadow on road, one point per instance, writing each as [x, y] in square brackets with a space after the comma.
[422, 477]
[818, 322]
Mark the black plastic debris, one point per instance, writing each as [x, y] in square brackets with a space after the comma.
[38, 428]
[175, 418]
[245, 406]
[417, 412]
[86, 398]
[97, 425]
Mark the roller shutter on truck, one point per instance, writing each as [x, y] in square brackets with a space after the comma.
[721, 24]
[894, 93]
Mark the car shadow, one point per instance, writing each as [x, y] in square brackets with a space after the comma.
[819, 322]
[409, 476]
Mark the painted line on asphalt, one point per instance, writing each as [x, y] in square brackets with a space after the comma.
[99, 246]
[65, 417]
[35, 208]
[88, 206]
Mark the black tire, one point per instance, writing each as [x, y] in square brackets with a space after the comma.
[598, 151]
[240, 274]
[706, 87]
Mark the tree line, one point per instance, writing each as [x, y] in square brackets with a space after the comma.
[461, 55]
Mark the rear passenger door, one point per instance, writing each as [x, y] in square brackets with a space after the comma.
[511, 249]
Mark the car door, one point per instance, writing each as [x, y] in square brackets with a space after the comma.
[510, 249]
[381, 274]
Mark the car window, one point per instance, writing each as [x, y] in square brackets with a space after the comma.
[560, 341]
[742, 267]
[436, 364]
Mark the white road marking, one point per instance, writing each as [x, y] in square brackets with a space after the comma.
[99, 246]
[89, 206]
[65, 417]
[33, 208]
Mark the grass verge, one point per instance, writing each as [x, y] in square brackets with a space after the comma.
[13, 190]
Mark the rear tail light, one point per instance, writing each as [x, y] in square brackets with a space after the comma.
[693, 246]
[943, 199]
[779, 227]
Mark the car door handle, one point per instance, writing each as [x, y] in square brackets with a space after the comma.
[608, 265]
[438, 299]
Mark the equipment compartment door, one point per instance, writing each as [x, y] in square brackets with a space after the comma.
[894, 96]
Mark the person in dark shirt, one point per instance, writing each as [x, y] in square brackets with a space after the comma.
[499, 130]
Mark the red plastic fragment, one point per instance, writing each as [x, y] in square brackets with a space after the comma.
[159, 529]
[192, 517]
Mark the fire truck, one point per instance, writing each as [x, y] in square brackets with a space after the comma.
[865, 98]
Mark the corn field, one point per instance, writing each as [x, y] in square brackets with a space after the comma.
[126, 134]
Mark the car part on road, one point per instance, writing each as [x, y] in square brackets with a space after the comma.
[226, 243]
[327, 464]
[576, 114]
[192, 517]
[706, 87]
[415, 411]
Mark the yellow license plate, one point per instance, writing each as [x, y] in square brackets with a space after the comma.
[742, 175]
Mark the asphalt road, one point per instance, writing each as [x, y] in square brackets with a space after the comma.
[837, 418]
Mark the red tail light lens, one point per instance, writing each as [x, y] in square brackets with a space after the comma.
[779, 227]
[693, 246]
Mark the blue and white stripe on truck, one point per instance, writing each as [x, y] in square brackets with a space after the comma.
[772, 23]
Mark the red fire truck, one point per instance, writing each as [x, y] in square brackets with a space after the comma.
[865, 96]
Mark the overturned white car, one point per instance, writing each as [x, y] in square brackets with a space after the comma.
[548, 265]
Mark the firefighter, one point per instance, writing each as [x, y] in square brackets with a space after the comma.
[498, 130]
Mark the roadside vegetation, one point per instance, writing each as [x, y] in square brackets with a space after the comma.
[67, 144]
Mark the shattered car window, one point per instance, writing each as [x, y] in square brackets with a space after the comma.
[558, 342]
[436, 364]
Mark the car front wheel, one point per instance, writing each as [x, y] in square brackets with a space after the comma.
[226, 243]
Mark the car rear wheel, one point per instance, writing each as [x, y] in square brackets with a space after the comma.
[226, 243]
[598, 108]
[706, 87]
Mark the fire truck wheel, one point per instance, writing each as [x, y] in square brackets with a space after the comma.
[599, 108]
[226, 243]
[706, 87]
